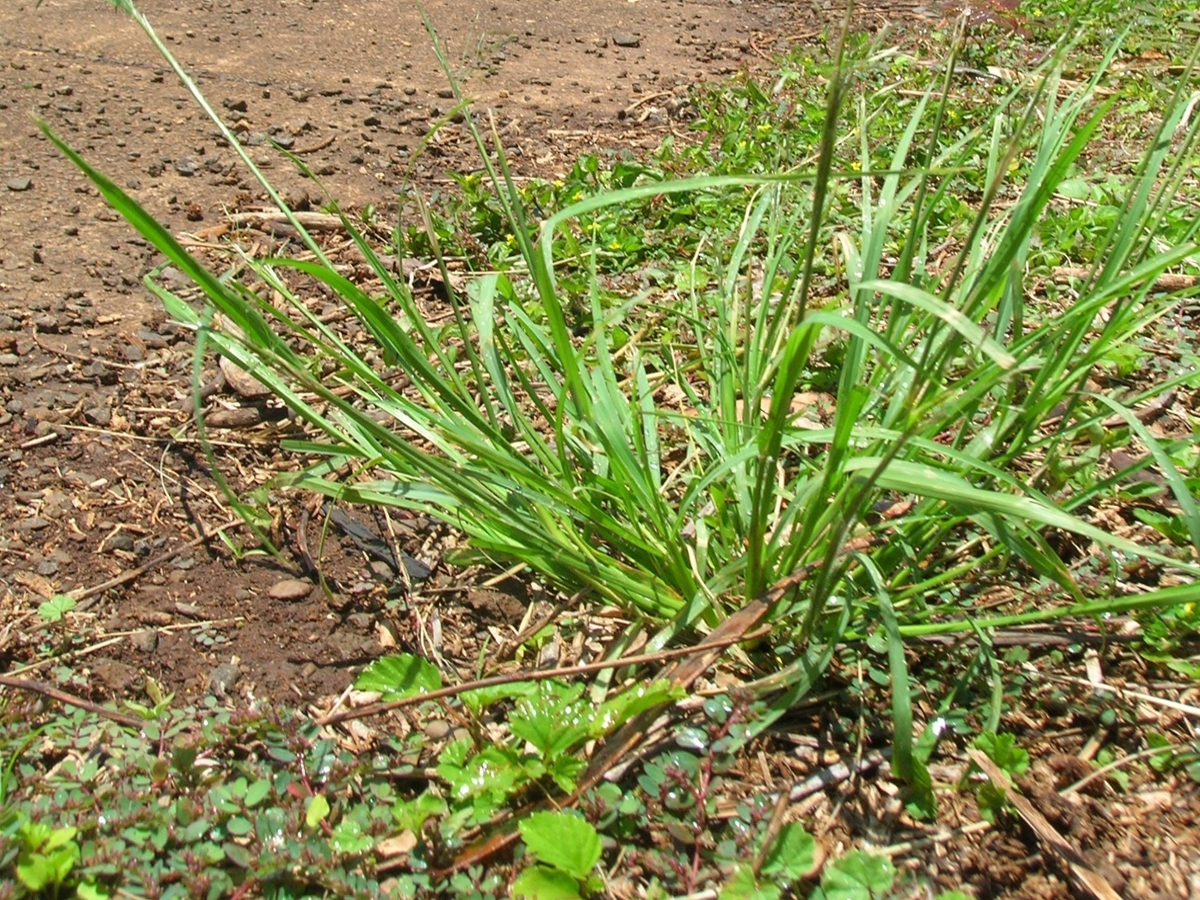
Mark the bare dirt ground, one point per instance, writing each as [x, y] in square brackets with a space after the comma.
[102, 477]
[94, 380]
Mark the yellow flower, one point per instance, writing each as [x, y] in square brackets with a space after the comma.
[764, 128]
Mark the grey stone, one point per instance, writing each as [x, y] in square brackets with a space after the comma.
[145, 641]
[19, 184]
[119, 541]
[625, 39]
[223, 678]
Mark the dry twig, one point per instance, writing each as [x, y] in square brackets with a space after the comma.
[40, 687]
[1083, 877]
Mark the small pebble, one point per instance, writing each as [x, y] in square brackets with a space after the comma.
[223, 678]
[145, 641]
[19, 184]
[290, 589]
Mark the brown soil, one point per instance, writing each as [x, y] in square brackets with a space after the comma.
[100, 470]
[94, 379]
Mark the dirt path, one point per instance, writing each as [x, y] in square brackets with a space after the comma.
[354, 85]
[92, 378]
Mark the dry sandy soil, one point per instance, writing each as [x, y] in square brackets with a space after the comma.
[101, 475]
[92, 377]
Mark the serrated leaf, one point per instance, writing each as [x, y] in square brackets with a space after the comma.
[792, 856]
[1002, 749]
[553, 719]
[400, 676]
[55, 608]
[481, 698]
[540, 883]
[317, 810]
[742, 885]
[858, 876]
[410, 815]
[348, 837]
[562, 840]
[618, 710]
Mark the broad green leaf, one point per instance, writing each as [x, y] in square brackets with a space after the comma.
[238, 855]
[481, 698]
[553, 719]
[239, 826]
[1003, 750]
[35, 871]
[56, 607]
[348, 837]
[540, 883]
[618, 710]
[485, 779]
[59, 837]
[793, 854]
[562, 840]
[400, 676]
[742, 885]
[256, 792]
[91, 890]
[316, 811]
[410, 815]
[858, 876]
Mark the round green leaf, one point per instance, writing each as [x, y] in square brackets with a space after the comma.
[792, 856]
